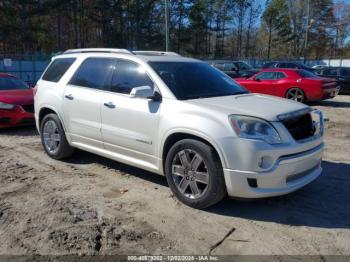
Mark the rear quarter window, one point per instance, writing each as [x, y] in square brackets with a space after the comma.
[304, 73]
[57, 69]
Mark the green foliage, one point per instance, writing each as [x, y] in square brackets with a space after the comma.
[201, 28]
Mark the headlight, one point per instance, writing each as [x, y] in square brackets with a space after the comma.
[317, 122]
[6, 106]
[254, 128]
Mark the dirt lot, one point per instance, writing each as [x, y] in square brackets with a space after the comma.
[91, 205]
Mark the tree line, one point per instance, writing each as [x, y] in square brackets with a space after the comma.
[267, 29]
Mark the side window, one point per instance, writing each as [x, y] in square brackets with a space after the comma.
[220, 66]
[230, 67]
[280, 75]
[57, 69]
[128, 75]
[287, 65]
[330, 72]
[93, 73]
[266, 76]
[345, 72]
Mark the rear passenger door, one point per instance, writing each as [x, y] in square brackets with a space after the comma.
[82, 100]
[130, 125]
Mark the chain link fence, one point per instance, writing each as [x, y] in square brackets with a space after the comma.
[29, 67]
[26, 67]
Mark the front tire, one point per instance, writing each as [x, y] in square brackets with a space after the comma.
[53, 138]
[194, 173]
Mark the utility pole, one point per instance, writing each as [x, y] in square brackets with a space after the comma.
[307, 29]
[166, 26]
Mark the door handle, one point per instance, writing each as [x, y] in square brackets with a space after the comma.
[109, 105]
[70, 97]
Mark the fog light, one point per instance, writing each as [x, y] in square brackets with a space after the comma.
[265, 162]
[252, 182]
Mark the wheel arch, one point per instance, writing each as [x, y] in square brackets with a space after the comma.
[45, 110]
[174, 137]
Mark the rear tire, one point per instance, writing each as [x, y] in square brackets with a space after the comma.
[195, 174]
[296, 94]
[53, 138]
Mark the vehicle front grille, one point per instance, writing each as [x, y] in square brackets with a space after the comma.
[300, 127]
[28, 108]
[5, 120]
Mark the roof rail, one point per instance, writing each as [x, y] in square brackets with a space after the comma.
[96, 50]
[156, 53]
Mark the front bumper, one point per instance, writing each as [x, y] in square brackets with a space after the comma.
[289, 173]
[16, 117]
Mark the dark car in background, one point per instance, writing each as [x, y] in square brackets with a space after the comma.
[341, 74]
[292, 65]
[234, 69]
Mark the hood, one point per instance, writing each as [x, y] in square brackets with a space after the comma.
[256, 105]
[17, 97]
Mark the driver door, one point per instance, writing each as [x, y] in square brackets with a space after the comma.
[264, 83]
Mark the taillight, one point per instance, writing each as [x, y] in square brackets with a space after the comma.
[35, 89]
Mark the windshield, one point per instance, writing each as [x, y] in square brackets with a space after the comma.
[12, 83]
[191, 80]
[304, 73]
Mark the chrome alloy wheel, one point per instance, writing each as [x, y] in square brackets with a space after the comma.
[190, 173]
[51, 136]
[295, 94]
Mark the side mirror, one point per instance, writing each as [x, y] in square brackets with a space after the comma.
[257, 79]
[145, 92]
[141, 92]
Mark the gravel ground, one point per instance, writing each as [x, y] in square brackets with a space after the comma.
[92, 205]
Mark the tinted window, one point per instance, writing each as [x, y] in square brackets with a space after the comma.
[266, 76]
[230, 67]
[191, 80]
[345, 72]
[243, 65]
[220, 66]
[128, 75]
[94, 73]
[304, 73]
[330, 72]
[11, 83]
[57, 69]
[269, 65]
[280, 75]
[288, 65]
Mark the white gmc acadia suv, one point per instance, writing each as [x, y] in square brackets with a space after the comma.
[181, 118]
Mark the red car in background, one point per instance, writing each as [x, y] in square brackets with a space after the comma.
[296, 84]
[16, 102]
